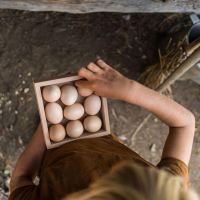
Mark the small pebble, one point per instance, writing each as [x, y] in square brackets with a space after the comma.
[26, 90]
[127, 17]
[21, 98]
[36, 180]
[20, 140]
[16, 92]
[8, 102]
[123, 137]
[156, 120]
[20, 75]
[7, 182]
[16, 112]
[144, 57]
[29, 74]
[23, 82]
[153, 148]
[6, 172]
[1, 112]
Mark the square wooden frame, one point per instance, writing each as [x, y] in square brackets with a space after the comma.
[104, 113]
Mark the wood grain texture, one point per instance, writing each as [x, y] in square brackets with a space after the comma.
[87, 6]
[105, 130]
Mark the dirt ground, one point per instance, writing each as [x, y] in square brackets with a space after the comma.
[40, 46]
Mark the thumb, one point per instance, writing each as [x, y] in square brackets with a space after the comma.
[83, 84]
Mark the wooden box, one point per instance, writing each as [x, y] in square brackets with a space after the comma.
[103, 114]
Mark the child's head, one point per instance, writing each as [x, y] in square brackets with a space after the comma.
[128, 181]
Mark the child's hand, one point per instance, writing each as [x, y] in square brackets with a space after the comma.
[104, 80]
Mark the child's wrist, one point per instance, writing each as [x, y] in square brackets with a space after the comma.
[128, 90]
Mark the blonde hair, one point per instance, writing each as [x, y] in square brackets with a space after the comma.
[128, 181]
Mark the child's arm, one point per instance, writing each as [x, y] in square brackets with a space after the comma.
[29, 162]
[106, 81]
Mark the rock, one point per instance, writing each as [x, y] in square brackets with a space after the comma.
[123, 138]
[26, 90]
[153, 148]
[20, 140]
[144, 57]
[6, 172]
[7, 181]
[16, 112]
[8, 102]
[127, 17]
[156, 120]
[16, 92]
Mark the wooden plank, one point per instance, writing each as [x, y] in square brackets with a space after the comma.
[87, 6]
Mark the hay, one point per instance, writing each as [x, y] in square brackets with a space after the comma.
[156, 74]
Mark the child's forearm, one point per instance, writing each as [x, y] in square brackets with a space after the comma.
[30, 160]
[167, 110]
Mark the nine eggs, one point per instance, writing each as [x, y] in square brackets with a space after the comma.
[72, 111]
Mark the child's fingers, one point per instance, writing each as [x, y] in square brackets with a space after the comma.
[83, 84]
[102, 64]
[85, 73]
[95, 68]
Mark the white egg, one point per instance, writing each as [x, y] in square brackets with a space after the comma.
[92, 123]
[92, 104]
[74, 111]
[57, 132]
[74, 129]
[69, 95]
[84, 92]
[51, 93]
[54, 113]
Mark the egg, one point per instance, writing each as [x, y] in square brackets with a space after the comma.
[54, 113]
[84, 92]
[57, 132]
[92, 123]
[74, 129]
[92, 104]
[74, 111]
[69, 94]
[51, 93]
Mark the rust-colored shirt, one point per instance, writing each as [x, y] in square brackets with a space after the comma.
[75, 165]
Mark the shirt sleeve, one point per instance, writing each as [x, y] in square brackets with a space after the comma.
[23, 193]
[175, 167]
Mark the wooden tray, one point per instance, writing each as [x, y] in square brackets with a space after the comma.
[103, 114]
